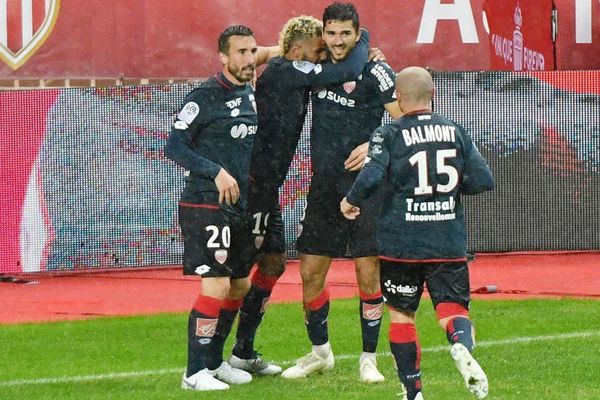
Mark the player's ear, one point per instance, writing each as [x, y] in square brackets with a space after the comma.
[296, 52]
[224, 59]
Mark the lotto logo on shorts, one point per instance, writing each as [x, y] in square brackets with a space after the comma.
[206, 327]
[372, 311]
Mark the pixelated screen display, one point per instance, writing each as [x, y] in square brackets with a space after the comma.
[86, 184]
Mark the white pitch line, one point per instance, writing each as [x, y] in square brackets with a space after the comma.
[166, 371]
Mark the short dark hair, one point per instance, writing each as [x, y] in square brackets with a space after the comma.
[234, 30]
[341, 12]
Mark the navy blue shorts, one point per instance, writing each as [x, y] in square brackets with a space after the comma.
[268, 231]
[325, 231]
[402, 283]
[215, 243]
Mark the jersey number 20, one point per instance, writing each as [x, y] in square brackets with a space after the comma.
[420, 159]
[213, 241]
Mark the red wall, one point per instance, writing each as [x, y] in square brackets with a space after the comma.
[157, 39]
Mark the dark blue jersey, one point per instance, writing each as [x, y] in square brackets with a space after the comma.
[345, 114]
[282, 95]
[429, 161]
[215, 129]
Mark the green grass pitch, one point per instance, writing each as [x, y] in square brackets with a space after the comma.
[530, 349]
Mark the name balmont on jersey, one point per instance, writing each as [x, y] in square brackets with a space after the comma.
[428, 133]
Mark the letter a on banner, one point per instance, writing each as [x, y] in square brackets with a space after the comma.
[24, 26]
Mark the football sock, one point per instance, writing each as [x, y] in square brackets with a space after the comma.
[405, 347]
[227, 315]
[316, 318]
[322, 350]
[202, 324]
[371, 311]
[252, 312]
[459, 330]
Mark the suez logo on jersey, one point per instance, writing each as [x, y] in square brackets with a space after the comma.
[242, 130]
[336, 98]
[378, 71]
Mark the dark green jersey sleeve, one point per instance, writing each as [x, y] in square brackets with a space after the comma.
[384, 76]
[372, 173]
[477, 177]
[316, 75]
[187, 126]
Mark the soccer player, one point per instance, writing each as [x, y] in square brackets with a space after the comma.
[429, 162]
[212, 139]
[344, 115]
[282, 96]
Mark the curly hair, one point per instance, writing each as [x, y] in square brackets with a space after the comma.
[297, 29]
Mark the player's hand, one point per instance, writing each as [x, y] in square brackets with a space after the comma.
[356, 159]
[349, 211]
[376, 55]
[228, 187]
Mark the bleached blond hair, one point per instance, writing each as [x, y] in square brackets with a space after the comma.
[297, 29]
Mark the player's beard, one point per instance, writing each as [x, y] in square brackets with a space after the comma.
[339, 53]
[243, 74]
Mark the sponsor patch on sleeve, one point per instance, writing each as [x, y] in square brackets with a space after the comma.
[189, 112]
[385, 80]
[304, 66]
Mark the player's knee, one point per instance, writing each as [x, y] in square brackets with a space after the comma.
[272, 264]
[239, 288]
[216, 287]
[448, 311]
[402, 317]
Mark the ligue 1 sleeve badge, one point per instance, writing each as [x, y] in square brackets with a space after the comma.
[28, 25]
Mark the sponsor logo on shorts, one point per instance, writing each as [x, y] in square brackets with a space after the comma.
[221, 256]
[404, 290]
[206, 327]
[372, 311]
[258, 241]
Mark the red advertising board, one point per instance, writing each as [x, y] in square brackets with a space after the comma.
[177, 39]
[520, 35]
[578, 39]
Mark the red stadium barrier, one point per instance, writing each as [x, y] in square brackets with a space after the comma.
[155, 39]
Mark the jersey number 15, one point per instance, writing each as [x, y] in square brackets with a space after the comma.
[420, 159]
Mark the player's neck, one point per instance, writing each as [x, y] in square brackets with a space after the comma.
[417, 110]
